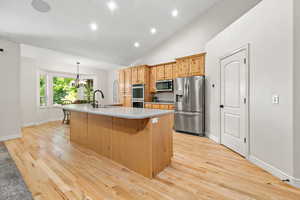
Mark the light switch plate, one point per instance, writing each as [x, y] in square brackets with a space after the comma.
[275, 99]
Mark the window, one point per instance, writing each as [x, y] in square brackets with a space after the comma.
[43, 90]
[61, 90]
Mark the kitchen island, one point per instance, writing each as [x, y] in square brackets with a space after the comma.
[139, 139]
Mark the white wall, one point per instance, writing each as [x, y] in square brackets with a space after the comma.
[30, 111]
[192, 38]
[10, 90]
[268, 28]
[297, 89]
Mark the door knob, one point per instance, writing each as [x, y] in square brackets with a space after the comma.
[221, 106]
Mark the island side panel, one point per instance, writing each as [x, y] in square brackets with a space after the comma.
[78, 128]
[132, 144]
[162, 143]
[100, 134]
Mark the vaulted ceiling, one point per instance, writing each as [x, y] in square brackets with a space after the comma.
[66, 27]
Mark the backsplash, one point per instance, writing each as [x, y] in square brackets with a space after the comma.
[165, 96]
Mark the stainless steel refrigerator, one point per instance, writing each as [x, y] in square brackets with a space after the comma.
[189, 94]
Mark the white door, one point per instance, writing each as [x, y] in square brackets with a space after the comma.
[234, 102]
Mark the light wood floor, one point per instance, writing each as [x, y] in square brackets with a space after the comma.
[54, 169]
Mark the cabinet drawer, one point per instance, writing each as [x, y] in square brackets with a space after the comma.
[149, 106]
[171, 107]
[155, 106]
[163, 107]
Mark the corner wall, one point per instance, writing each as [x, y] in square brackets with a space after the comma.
[297, 91]
[10, 90]
[268, 28]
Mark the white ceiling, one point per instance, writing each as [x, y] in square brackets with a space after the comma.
[66, 27]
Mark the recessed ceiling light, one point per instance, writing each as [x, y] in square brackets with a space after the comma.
[175, 13]
[112, 6]
[137, 44]
[93, 26]
[153, 31]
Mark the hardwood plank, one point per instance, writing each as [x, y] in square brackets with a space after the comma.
[200, 169]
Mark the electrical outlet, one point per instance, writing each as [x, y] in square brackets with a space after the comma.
[154, 120]
[275, 99]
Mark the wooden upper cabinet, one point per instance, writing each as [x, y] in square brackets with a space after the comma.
[175, 71]
[134, 75]
[197, 66]
[191, 65]
[160, 72]
[168, 71]
[128, 82]
[183, 67]
[153, 79]
[141, 71]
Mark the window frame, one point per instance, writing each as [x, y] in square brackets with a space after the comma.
[49, 85]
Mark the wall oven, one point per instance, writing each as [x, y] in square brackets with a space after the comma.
[138, 95]
[164, 86]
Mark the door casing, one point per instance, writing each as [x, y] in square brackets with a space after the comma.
[245, 48]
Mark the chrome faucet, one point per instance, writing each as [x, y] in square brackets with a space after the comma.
[94, 98]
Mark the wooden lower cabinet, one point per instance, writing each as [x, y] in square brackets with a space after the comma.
[147, 105]
[159, 106]
[164, 107]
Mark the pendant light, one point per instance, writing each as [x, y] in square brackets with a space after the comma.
[77, 80]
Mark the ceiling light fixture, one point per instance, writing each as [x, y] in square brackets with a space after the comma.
[93, 26]
[40, 5]
[175, 13]
[153, 31]
[136, 44]
[112, 6]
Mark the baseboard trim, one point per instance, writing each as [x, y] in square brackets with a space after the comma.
[274, 171]
[10, 137]
[212, 137]
[40, 122]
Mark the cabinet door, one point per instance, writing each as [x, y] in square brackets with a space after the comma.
[134, 75]
[175, 71]
[141, 75]
[153, 79]
[183, 67]
[169, 71]
[127, 101]
[148, 105]
[160, 73]
[121, 81]
[171, 107]
[128, 81]
[163, 107]
[197, 66]
[155, 106]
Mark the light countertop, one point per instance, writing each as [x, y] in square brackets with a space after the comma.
[119, 112]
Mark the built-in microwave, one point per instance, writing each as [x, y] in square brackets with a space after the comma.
[164, 86]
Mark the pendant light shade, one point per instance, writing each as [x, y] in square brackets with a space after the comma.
[77, 80]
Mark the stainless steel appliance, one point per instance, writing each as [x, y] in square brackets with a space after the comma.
[189, 104]
[138, 95]
[164, 86]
